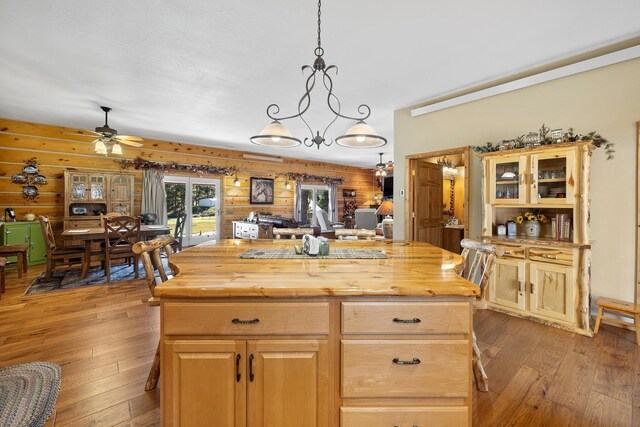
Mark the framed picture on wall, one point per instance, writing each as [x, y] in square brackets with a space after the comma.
[261, 191]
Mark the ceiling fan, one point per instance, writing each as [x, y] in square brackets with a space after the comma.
[382, 169]
[108, 137]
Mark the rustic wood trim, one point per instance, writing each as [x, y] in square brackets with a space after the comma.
[539, 149]
[637, 294]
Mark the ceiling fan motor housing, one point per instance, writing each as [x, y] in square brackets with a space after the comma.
[106, 131]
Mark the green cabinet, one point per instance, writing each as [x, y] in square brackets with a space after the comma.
[28, 234]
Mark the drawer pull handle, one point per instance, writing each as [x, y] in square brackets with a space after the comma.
[245, 322]
[414, 320]
[251, 376]
[415, 361]
[238, 376]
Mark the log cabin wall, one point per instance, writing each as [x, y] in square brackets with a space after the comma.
[56, 148]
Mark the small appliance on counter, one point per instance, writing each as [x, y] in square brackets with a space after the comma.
[148, 218]
[512, 230]
[9, 214]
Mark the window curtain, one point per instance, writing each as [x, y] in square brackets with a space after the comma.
[153, 197]
[333, 202]
[298, 202]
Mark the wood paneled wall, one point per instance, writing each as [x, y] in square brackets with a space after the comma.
[58, 148]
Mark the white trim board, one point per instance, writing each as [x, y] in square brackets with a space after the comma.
[568, 70]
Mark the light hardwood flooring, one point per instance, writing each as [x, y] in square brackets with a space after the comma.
[105, 338]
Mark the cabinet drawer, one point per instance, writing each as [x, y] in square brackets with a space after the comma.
[245, 318]
[516, 252]
[553, 256]
[406, 317]
[81, 223]
[373, 368]
[404, 416]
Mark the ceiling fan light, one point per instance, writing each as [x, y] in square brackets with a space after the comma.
[100, 147]
[275, 134]
[116, 149]
[361, 135]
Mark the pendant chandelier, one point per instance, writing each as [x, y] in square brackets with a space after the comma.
[360, 135]
[382, 168]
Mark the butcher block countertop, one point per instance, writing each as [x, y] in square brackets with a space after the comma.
[215, 270]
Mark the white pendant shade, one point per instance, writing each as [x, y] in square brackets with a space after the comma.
[275, 134]
[100, 147]
[116, 149]
[361, 135]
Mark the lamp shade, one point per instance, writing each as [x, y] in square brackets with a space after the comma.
[275, 134]
[386, 208]
[116, 149]
[361, 135]
[100, 147]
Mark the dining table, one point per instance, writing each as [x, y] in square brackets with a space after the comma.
[90, 235]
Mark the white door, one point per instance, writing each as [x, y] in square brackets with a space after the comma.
[314, 196]
[200, 199]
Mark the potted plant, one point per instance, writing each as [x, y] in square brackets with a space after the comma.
[532, 220]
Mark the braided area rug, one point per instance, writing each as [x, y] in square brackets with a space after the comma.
[28, 393]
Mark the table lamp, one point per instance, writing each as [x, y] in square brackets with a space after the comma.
[386, 208]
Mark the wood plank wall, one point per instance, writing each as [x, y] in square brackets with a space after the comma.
[57, 148]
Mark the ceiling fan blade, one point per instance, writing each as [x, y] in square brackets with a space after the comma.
[87, 133]
[130, 137]
[129, 143]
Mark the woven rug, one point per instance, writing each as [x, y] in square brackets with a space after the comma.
[28, 394]
[62, 279]
[287, 253]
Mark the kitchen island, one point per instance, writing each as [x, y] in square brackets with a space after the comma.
[314, 341]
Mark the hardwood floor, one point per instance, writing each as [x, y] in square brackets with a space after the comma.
[105, 338]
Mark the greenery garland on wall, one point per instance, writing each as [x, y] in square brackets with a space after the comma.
[304, 177]
[208, 169]
[542, 137]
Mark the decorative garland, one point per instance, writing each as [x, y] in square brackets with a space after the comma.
[209, 169]
[542, 137]
[303, 177]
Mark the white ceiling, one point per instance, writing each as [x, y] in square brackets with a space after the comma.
[204, 71]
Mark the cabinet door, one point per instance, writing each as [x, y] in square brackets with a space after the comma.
[37, 250]
[120, 188]
[289, 386]
[79, 187]
[203, 383]
[507, 180]
[507, 285]
[97, 187]
[553, 178]
[552, 291]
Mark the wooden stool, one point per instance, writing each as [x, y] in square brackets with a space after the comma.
[3, 263]
[621, 308]
[18, 251]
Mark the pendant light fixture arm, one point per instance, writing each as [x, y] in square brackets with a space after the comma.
[274, 109]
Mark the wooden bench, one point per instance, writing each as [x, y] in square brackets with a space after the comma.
[620, 308]
[18, 251]
[356, 233]
[292, 233]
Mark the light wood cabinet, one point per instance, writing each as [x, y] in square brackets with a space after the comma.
[541, 278]
[88, 194]
[316, 362]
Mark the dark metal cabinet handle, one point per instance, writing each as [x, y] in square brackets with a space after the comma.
[415, 361]
[414, 320]
[238, 376]
[245, 322]
[251, 376]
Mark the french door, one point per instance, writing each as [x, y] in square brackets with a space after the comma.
[314, 197]
[200, 199]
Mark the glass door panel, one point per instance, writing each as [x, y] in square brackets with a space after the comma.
[176, 199]
[97, 187]
[553, 178]
[79, 187]
[314, 198]
[204, 213]
[507, 179]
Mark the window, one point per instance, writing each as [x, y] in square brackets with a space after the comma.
[312, 196]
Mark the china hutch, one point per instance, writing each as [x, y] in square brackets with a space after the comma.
[87, 195]
[546, 277]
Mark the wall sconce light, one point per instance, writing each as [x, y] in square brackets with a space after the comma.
[287, 185]
[236, 181]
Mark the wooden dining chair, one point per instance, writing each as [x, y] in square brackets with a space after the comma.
[178, 231]
[149, 252]
[108, 215]
[120, 234]
[478, 270]
[68, 254]
[3, 264]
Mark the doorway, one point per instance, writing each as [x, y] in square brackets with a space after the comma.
[200, 199]
[438, 198]
[313, 197]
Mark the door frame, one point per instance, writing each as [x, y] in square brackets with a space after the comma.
[411, 162]
[189, 181]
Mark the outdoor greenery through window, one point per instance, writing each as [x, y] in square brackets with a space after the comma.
[314, 195]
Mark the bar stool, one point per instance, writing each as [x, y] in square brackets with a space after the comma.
[18, 251]
[620, 308]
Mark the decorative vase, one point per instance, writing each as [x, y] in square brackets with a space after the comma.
[30, 216]
[532, 228]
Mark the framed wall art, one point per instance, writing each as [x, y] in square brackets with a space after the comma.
[261, 191]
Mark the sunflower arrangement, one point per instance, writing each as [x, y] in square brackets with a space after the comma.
[533, 215]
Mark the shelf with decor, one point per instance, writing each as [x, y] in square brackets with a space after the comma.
[536, 204]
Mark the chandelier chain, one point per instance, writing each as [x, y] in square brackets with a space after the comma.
[319, 13]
